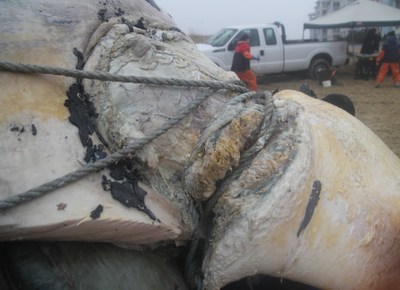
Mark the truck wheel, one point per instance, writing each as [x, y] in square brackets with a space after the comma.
[317, 65]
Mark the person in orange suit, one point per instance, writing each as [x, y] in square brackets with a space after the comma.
[389, 58]
[241, 63]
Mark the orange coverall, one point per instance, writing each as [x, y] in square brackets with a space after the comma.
[389, 55]
[241, 65]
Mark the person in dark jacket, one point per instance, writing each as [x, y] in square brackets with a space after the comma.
[241, 63]
[370, 43]
[389, 57]
[370, 47]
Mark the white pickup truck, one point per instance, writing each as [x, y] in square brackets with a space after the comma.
[276, 54]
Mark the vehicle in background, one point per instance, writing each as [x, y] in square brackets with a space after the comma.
[276, 54]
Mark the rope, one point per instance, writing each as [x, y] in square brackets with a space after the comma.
[103, 76]
[100, 164]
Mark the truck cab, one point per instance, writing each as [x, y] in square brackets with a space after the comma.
[221, 45]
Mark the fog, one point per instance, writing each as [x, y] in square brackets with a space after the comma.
[208, 16]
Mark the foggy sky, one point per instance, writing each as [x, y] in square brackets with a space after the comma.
[208, 16]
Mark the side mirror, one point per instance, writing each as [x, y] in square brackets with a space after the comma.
[231, 46]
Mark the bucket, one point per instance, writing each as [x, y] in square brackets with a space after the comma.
[326, 84]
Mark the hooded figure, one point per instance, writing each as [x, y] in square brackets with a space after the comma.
[241, 63]
[390, 57]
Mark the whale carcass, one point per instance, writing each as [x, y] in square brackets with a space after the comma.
[283, 185]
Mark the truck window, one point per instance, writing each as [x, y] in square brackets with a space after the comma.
[254, 38]
[270, 38]
[221, 37]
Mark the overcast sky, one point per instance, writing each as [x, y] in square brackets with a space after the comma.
[208, 16]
